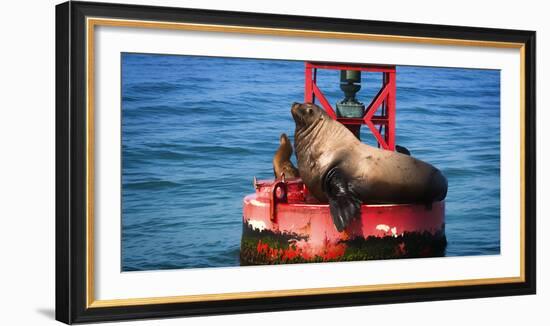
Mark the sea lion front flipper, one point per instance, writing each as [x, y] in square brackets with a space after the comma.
[344, 204]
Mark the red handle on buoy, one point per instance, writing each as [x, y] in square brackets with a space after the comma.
[278, 195]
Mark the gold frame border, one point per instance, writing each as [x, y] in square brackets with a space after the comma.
[92, 22]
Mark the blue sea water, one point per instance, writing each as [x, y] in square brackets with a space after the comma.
[195, 130]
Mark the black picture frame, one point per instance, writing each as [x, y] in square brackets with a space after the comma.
[71, 157]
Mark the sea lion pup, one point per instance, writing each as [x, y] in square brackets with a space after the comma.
[339, 169]
[281, 159]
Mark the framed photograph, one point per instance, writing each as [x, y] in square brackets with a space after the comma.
[214, 162]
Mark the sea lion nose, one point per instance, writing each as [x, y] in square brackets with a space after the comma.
[294, 109]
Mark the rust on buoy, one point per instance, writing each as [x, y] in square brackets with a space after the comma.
[283, 224]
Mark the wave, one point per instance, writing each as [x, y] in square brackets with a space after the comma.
[153, 87]
[157, 154]
[151, 185]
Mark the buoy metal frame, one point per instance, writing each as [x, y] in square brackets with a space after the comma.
[381, 125]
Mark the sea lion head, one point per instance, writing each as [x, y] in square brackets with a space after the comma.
[306, 114]
[283, 140]
[281, 159]
[284, 151]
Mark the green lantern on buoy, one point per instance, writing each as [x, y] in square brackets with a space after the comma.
[350, 107]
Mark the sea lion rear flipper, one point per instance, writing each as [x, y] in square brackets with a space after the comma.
[344, 204]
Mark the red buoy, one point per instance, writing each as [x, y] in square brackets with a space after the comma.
[283, 224]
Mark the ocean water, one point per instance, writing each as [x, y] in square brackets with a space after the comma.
[196, 130]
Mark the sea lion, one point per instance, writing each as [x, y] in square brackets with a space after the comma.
[339, 169]
[281, 159]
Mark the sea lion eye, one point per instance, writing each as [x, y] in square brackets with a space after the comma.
[309, 111]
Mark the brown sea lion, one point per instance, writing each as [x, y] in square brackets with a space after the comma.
[281, 159]
[339, 169]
